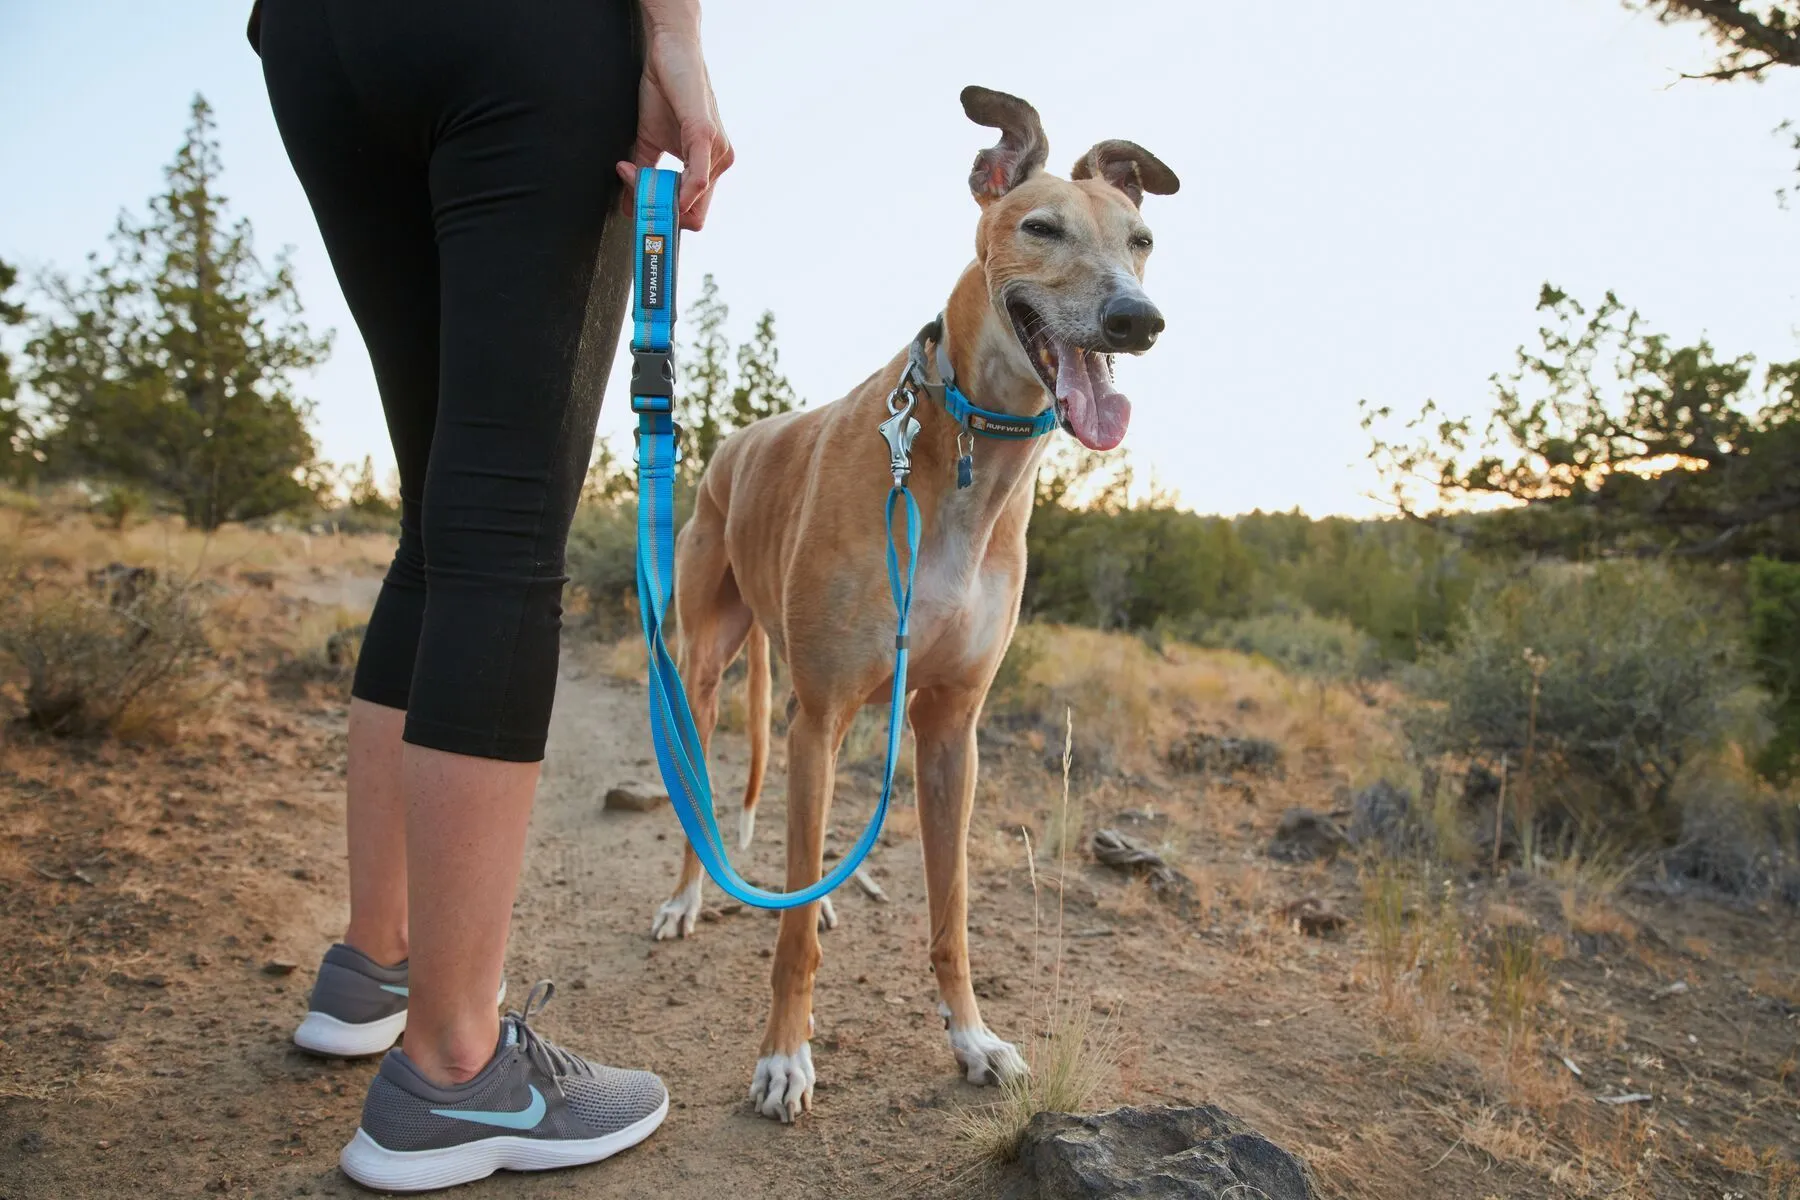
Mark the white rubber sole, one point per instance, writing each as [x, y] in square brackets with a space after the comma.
[365, 1161]
[322, 1033]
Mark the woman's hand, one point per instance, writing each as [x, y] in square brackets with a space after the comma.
[676, 110]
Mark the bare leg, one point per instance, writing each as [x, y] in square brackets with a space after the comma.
[465, 842]
[944, 733]
[375, 830]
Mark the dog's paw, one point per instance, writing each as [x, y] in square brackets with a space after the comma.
[746, 828]
[678, 914]
[986, 1059]
[783, 1085]
[828, 918]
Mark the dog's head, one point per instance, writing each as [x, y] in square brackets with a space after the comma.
[1065, 259]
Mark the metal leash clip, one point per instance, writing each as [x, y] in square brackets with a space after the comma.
[901, 428]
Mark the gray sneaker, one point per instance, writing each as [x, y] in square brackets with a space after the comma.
[534, 1107]
[357, 1007]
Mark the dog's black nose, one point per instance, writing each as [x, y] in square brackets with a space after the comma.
[1130, 323]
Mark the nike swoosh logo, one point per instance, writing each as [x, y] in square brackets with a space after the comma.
[525, 1118]
[396, 988]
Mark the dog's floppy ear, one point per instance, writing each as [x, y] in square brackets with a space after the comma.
[1128, 167]
[1022, 149]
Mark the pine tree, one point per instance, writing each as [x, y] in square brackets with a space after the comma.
[704, 371]
[171, 367]
[12, 430]
[762, 390]
[366, 495]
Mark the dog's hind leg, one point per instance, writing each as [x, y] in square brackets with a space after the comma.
[713, 621]
[783, 1084]
[943, 724]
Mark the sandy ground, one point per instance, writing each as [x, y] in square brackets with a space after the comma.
[150, 897]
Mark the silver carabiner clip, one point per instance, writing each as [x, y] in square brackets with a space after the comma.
[899, 430]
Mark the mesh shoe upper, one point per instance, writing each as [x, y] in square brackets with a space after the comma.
[355, 988]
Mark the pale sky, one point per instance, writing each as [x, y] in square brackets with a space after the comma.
[1371, 194]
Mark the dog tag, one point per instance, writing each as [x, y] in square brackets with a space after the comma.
[965, 471]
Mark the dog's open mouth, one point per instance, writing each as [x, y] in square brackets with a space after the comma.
[1080, 380]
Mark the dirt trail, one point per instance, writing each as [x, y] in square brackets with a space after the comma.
[149, 896]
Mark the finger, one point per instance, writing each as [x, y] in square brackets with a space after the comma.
[723, 156]
[696, 172]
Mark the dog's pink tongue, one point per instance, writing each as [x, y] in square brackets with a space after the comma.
[1097, 414]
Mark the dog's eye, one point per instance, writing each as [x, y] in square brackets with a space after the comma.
[1037, 227]
[1140, 241]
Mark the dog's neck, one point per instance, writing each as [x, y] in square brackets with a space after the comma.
[992, 370]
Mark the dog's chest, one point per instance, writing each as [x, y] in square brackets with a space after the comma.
[963, 602]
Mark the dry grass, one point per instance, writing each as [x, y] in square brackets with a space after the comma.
[1130, 701]
[1076, 1052]
[53, 531]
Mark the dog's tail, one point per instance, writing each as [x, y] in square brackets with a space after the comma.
[758, 705]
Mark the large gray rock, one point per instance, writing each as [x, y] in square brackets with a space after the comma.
[1155, 1153]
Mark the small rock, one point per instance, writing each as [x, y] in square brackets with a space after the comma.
[31, 1142]
[1314, 917]
[279, 966]
[1305, 835]
[633, 796]
[1115, 849]
[303, 875]
[1202, 1153]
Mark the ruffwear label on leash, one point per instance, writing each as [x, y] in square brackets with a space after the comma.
[652, 288]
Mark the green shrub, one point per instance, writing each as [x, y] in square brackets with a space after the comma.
[120, 503]
[1301, 642]
[602, 560]
[1634, 668]
[128, 656]
[1775, 649]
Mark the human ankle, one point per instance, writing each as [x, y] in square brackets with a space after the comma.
[386, 948]
[451, 1057]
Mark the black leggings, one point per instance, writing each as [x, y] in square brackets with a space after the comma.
[459, 157]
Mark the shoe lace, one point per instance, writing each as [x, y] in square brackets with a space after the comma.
[552, 1059]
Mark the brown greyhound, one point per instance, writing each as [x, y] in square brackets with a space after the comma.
[785, 547]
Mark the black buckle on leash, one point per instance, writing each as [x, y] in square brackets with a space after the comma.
[652, 375]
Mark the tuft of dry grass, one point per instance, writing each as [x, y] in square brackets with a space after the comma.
[1076, 1052]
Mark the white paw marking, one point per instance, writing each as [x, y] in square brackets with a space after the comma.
[746, 828]
[828, 918]
[783, 1085]
[985, 1058]
[678, 914]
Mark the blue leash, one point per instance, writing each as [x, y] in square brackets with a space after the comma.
[672, 729]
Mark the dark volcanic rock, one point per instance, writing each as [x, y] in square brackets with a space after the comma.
[1305, 835]
[1155, 1153]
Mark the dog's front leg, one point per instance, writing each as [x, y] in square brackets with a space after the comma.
[783, 1085]
[943, 724]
